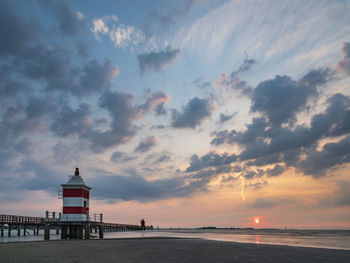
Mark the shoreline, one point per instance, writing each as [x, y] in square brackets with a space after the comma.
[163, 249]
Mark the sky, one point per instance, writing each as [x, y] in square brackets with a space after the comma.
[185, 113]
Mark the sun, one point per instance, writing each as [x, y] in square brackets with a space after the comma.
[257, 220]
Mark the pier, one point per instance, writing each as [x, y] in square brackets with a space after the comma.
[74, 222]
[67, 229]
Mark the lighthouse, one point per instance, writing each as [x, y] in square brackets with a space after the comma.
[75, 199]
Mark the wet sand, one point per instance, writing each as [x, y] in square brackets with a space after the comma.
[162, 250]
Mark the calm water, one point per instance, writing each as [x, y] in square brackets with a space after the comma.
[338, 239]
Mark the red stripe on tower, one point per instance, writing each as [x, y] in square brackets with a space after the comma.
[76, 193]
[75, 210]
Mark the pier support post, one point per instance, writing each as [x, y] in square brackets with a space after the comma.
[64, 232]
[70, 233]
[18, 230]
[74, 232]
[87, 231]
[80, 232]
[37, 230]
[100, 230]
[95, 229]
[2, 229]
[24, 230]
[57, 230]
[9, 231]
[47, 232]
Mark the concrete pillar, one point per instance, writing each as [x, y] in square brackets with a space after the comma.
[64, 232]
[87, 231]
[95, 229]
[2, 229]
[100, 230]
[47, 232]
[9, 231]
[24, 230]
[19, 230]
[57, 230]
[37, 230]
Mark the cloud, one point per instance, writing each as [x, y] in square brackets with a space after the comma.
[156, 101]
[279, 99]
[193, 114]
[70, 22]
[332, 155]
[146, 144]
[233, 82]
[157, 60]
[265, 144]
[160, 109]
[118, 157]
[210, 159]
[135, 187]
[224, 117]
[275, 171]
[120, 34]
[344, 64]
[69, 121]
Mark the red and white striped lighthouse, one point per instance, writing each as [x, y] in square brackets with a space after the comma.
[75, 199]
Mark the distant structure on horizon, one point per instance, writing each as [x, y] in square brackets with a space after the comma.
[76, 196]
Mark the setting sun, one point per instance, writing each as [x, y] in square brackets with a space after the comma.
[257, 220]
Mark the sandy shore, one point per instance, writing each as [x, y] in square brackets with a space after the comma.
[162, 250]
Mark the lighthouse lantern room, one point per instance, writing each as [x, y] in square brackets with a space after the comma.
[75, 199]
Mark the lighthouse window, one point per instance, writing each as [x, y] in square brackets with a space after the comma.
[84, 203]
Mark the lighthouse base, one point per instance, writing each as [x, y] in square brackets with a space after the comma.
[74, 229]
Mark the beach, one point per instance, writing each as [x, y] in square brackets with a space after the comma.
[162, 250]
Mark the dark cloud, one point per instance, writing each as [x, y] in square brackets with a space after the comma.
[275, 171]
[250, 174]
[121, 129]
[157, 60]
[69, 22]
[69, 121]
[225, 117]
[160, 109]
[344, 64]
[254, 130]
[25, 30]
[146, 144]
[193, 114]
[279, 99]
[330, 156]
[211, 159]
[118, 157]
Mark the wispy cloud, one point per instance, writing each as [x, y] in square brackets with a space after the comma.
[120, 34]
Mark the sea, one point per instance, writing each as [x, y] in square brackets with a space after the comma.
[333, 239]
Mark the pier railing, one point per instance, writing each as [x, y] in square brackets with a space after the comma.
[15, 219]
